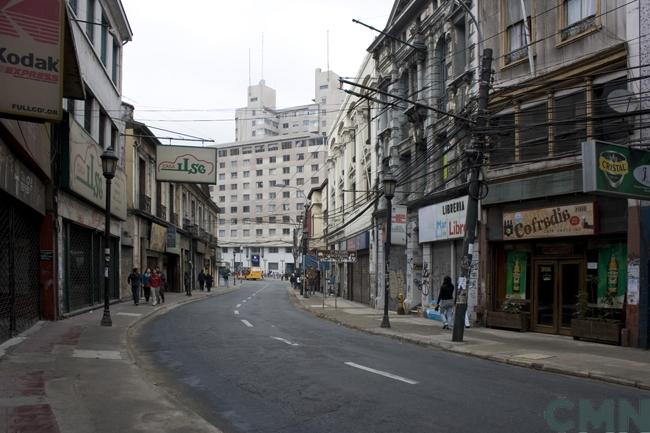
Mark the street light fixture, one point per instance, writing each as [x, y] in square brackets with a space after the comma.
[389, 192]
[109, 165]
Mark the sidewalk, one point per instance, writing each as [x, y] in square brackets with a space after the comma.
[75, 376]
[553, 353]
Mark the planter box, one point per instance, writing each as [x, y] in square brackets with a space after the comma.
[516, 321]
[604, 331]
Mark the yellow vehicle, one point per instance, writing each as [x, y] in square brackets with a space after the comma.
[253, 273]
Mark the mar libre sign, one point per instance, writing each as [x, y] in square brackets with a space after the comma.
[442, 221]
[186, 164]
[615, 170]
[31, 58]
[85, 175]
[570, 220]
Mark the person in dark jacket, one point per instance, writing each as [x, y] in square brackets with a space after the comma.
[201, 280]
[446, 303]
[135, 280]
[187, 280]
[208, 281]
[145, 284]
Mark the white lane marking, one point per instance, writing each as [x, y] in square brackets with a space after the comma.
[382, 373]
[284, 340]
[249, 298]
[236, 312]
[96, 354]
[130, 314]
[238, 305]
[247, 323]
[244, 301]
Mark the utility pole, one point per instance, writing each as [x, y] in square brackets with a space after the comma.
[475, 162]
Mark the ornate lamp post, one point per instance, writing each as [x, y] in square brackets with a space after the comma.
[109, 165]
[389, 192]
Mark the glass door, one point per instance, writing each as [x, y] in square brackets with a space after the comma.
[545, 294]
[571, 280]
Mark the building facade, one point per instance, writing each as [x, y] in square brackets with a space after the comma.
[574, 79]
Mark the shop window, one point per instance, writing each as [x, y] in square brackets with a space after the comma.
[610, 100]
[569, 134]
[533, 133]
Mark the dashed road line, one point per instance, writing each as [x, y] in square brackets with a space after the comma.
[236, 312]
[284, 340]
[238, 305]
[382, 373]
[247, 323]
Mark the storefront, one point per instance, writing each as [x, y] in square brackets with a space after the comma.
[555, 259]
[359, 271]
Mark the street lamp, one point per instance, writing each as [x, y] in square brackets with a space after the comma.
[109, 164]
[389, 192]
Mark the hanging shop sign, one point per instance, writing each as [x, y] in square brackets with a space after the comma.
[573, 220]
[186, 164]
[612, 275]
[359, 242]
[442, 221]
[336, 256]
[31, 58]
[85, 175]
[615, 170]
[158, 238]
[516, 277]
[398, 226]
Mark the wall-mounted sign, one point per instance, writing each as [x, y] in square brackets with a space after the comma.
[19, 181]
[337, 256]
[157, 238]
[359, 242]
[31, 58]
[516, 278]
[186, 164]
[398, 226]
[615, 170]
[572, 220]
[612, 275]
[442, 221]
[85, 175]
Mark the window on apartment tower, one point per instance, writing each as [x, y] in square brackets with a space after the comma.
[90, 20]
[516, 47]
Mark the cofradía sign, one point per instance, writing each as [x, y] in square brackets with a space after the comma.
[186, 164]
[31, 53]
[615, 170]
[572, 220]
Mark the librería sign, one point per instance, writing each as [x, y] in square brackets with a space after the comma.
[443, 221]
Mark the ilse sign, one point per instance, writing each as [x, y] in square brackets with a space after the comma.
[186, 164]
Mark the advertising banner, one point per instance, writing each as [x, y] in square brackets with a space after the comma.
[612, 275]
[615, 170]
[186, 164]
[517, 262]
[398, 226]
[85, 174]
[442, 221]
[157, 238]
[336, 256]
[31, 58]
[572, 220]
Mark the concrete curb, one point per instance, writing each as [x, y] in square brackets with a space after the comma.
[502, 359]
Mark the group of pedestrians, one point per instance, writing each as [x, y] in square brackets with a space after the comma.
[150, 283]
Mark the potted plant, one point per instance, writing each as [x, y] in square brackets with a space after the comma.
[511, 316]
[595, 324]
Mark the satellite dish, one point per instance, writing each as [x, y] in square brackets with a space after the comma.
[622, 101]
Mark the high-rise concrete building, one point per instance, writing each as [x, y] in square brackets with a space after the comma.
[264, 177]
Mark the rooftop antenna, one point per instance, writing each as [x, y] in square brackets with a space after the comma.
[262, 55]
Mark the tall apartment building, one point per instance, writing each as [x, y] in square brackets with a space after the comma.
[263, 178]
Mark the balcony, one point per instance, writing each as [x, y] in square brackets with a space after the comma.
[174, 219]
[161, 211]
[187, 223]
[144, 203]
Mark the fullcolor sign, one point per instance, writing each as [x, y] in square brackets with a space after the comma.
[572, 220]
[31, 58]
[615, 170]
[186, 164]
[443, 221]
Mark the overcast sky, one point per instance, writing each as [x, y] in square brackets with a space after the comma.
[191, 56]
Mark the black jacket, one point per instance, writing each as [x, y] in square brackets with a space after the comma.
[446, 292]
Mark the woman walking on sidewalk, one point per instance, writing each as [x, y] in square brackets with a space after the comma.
[446, 303]
[145, 284]
[154, 282]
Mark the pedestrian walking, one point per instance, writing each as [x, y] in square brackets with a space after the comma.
[146, 286]
[292, 280]
[208, 281]
[163, 284]
[154, 282]
[187, 280]
[446, 303]
[201, 280]
[225, 274]
[135, 280]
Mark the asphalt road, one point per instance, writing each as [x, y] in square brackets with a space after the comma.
[250, 361]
